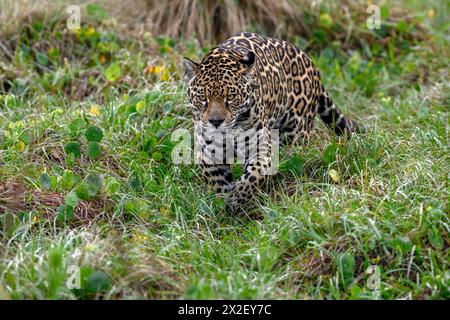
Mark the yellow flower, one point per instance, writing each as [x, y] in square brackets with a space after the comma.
[430, 14]
[160, 71]
[157, 70]
[90, 31]
[149, 69]
[334, 175]
[165, 75]
[95, 110]
[20, 146]
[35, 219]
[139, 237]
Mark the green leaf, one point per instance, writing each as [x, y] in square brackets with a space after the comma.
[319, 36]
[160, 40]
[96, 11]
[82, 191]
[325, 21]
[98, 281]
[112, 185]
[140, 107]
[77, 125]
[93, 150]
[113, 72]
[384, 12]
[168, 122]
[71, 199]
[94, 133]
[69, 180]
[171, 42]
[237, 171]
[135, 183]
[167, 106]
[45, 181]
[346, 269]
[42, 58]
[402, 244]
[157, 156]
[294, 164]
[329, 155]
[94, 184]
[65, 212]
[70, 160]
[73, 148]
[38, 26]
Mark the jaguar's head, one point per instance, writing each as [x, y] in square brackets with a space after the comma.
[220, 87]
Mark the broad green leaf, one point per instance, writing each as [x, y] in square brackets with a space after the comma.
[93, 150]
[71, 199]
[65, 212]
[94, 184]
[82, 191]
[42, 58]
[293, 164]
[77, 125]
[94, 133]
[73, 148]
[98, 281]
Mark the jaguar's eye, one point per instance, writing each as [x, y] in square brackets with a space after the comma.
[201, 98]
[231, 97]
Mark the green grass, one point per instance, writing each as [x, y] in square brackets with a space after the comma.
[87, 181]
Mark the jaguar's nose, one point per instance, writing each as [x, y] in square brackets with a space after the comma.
[216, 122]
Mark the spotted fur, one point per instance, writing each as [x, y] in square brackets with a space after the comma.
[254, 82]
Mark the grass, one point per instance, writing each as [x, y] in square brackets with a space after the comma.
[88, 190]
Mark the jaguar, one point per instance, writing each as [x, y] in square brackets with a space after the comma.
[254, 82]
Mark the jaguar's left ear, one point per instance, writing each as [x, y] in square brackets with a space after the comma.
[249, 61]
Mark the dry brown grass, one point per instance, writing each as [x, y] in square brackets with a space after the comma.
[152, 278]
[212, 21]
[16, 197]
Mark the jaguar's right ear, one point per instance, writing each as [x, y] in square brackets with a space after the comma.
[190, 68]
